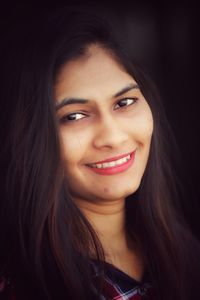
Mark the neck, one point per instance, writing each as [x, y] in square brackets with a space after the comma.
[108, 221]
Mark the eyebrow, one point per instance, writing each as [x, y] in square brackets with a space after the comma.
[67, 101]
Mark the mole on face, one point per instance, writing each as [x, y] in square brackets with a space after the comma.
[106, 190]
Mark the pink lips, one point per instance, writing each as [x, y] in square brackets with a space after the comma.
[115, 169]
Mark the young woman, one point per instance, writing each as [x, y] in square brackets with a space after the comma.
[89, 203]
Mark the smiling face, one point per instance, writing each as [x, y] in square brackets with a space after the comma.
[105, 127]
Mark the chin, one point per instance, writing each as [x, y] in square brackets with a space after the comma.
[111, 194]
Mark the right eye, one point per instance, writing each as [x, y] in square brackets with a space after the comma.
[73, 117]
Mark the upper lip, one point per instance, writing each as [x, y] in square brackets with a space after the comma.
[112, 158]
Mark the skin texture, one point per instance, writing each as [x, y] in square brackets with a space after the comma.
[104, 129]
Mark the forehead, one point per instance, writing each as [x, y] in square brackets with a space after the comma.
[95, 72]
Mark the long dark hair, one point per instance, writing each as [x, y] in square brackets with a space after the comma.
[45, 239]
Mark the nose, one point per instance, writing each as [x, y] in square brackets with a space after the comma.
[109, 133]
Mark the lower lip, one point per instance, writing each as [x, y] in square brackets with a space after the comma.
[116, 169]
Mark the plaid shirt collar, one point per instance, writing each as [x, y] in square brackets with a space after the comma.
[120, 286]
[116, 286]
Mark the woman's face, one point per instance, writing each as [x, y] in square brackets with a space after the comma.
[105, 127]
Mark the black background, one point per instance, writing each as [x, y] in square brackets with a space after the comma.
[164, 36]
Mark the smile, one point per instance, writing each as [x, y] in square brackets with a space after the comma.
[112, 163]
[113, 166]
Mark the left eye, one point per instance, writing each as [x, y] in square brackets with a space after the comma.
[73, 117]
[125, 102]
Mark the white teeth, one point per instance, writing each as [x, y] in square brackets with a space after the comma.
[99, 166]
[112, 163]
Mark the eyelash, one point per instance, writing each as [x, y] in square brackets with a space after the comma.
[65, 119]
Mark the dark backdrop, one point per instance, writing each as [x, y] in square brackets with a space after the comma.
[165, 38]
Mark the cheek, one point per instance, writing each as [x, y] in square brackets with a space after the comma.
[74, 144]
[143, 127]
[146, 125]
[71, 146]
[70, 142]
